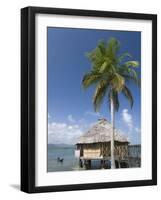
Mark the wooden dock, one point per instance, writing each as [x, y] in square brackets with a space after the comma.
[132, 160]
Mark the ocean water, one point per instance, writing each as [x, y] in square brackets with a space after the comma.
[66, 152]
[70, 162]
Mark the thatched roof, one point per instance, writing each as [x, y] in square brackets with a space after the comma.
[101, 132]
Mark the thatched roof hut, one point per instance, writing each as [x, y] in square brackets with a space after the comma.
[101, 132]
[95, 143]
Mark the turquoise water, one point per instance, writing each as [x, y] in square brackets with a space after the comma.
[67, 153]
[70, 162]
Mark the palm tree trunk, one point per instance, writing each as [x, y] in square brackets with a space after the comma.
[112, 135]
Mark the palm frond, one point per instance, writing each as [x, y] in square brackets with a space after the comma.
[113, 46]
[131, 63]
[132, 79]
[128, 95]
[115, 98]
[116, 101]
[106, 66]
[99, 94]
[129, 73]
[117, 82]
[110, 72]
[132, 76]
[90, 79]
[96, 59]
[123, 56]
[102, 46]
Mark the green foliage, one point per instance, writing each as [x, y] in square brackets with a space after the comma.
[132, 63]
[110, 74]
[90, 79]
[128, 95]
[99, 94]
[124, 56]
[117, 82]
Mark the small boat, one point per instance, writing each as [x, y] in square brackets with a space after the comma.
[60, 159]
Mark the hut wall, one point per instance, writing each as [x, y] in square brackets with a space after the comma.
[91, 150]
[92, 153]
[79, 150]
[77, 153]
[121, 151]
[103, 150]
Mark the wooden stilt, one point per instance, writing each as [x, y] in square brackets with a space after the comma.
[80, 163]
[102, 164]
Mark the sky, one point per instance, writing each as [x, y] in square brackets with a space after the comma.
[70, 109]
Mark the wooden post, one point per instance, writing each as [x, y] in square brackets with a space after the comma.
[85, 164]
[89, 164]
[102, 164]
[80, 163]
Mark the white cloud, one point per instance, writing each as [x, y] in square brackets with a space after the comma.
[137, 130]
[71, 119]
[82, 120]
[68, 132]
[64, 133]
[133, 131]
[93, 114]
[49, 116]
[127, 118]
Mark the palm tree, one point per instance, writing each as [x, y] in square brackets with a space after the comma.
[110, 74]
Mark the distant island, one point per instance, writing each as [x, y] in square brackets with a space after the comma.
[61, 145]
